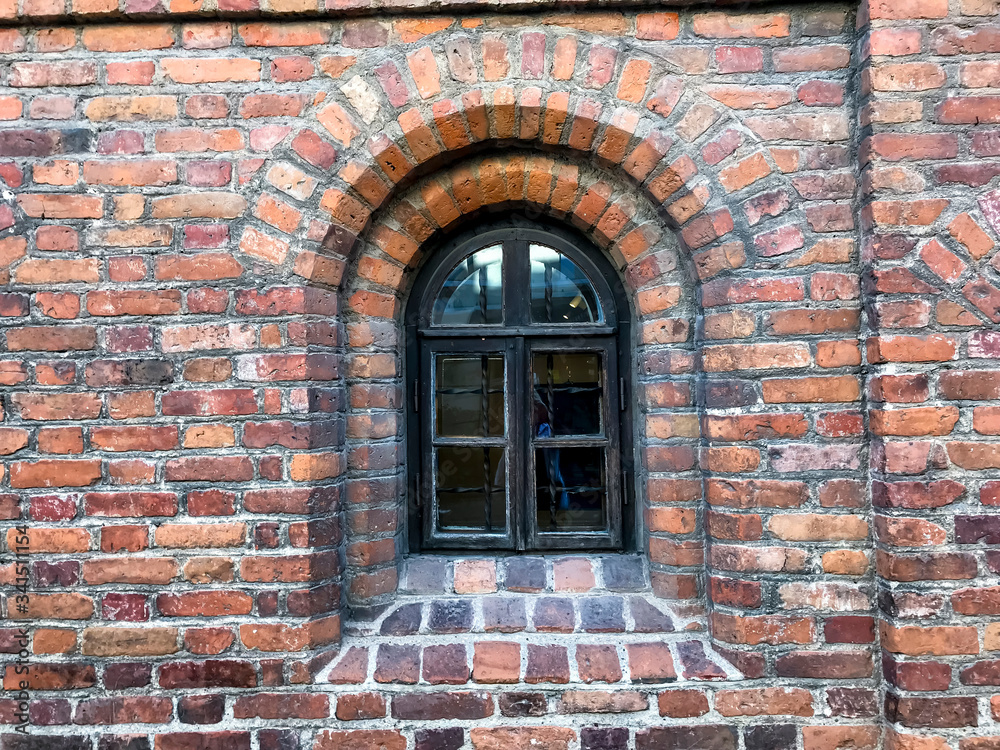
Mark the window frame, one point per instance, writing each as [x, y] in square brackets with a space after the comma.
[612, 336]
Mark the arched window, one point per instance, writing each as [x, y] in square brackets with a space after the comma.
[517, 377]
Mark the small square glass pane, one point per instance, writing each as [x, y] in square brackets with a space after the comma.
[570, 489]
[567, 390]
[469, 396]
[471, 488]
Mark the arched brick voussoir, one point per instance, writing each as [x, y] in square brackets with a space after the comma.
[678, 173]
[608, 210]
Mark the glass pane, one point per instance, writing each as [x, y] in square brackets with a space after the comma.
[469, 396]
[569, 485]
[471, 295]
[471, 488]
[560, 293]
[567, 393]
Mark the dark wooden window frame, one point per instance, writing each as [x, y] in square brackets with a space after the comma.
[515, 340]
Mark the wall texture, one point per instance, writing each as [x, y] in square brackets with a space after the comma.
[211, 216]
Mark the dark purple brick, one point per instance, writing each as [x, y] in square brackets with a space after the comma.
[399, 664]
[11, 741]
[547, 664]
[723, 394]
[975, 529]
[624, 573]
[770, 737]
[127, 675]
[450, 616]
[704, 737]
[403, 621]
[851, 703]
[603, 738]
[602, 614]
[12, 641]
[504, 615]
[125, 742]
[278, 739]
[438, 739]
[694, 663]
[525, 574]
[648, 618]
[438, 706]
[554, 615]
[267, 603]
[217, 740]
[29, 142]
[426, 575]
[52, 712]
[126, 607]
[201, 709]
[64, 573]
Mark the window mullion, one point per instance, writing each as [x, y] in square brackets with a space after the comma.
[485, 408]
[550, 398]
[517, 445]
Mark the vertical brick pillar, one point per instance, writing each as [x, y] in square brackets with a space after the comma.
[782, 425]
[668, 448]
[935, 302]
[299, 604]
[376, 480]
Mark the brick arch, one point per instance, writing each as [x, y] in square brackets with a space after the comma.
[722, 181]
[604, 209]
[684, 169]
[683, 179]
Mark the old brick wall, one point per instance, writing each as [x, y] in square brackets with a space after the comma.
[929, 219]
[209, 229]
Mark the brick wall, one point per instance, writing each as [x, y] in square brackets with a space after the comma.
[208, 231]
[929, 223]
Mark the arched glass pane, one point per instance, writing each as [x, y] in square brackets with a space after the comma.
[560, 292]
[472, 293]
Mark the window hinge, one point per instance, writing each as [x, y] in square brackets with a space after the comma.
[416, 396]
[418, 494]
[622, 395]
[625, 493]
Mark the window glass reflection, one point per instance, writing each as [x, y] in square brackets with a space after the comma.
[570, 489]
[469, 396]
[471, 488]
[472, 293]
[567, 389]
[560, 292]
